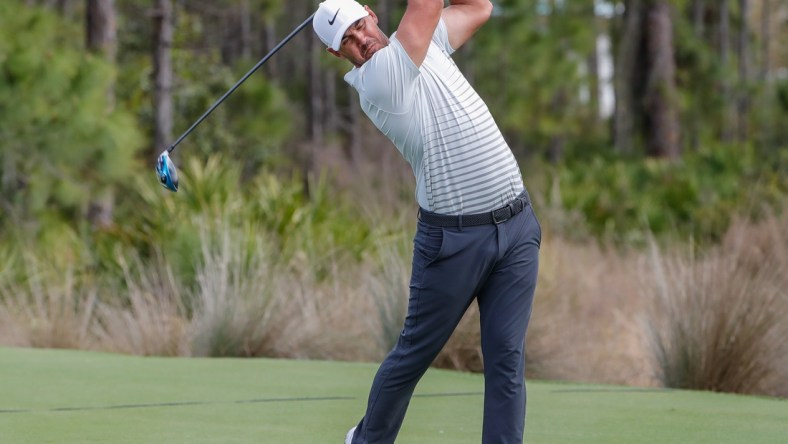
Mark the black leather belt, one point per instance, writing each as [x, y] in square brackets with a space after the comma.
[496, 216]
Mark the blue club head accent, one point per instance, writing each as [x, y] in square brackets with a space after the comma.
[166, 172]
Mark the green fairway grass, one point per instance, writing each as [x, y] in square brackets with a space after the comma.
[56, 396]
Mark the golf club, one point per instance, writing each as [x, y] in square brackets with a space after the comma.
[165, 168]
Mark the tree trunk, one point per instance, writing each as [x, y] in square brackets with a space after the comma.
[726, 132]
[383, 11]
[698, 17]
[63, 7]
[245, 18]
[101, 33]
[694, 118]
[101, 39]
[236, 39]
[162, 73]
[743, 102]
[766, 39]
[316, 104]
[557, 140]
[332, 110]
[661, 100]
[9, 182]
[269, 36]
[625, 77]
[356, 142]
[315, 114]
[592, 61]
[102, 28]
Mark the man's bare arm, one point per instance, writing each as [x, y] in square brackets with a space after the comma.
[464, 17]
[417, 27]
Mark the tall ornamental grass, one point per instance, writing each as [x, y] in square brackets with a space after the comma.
[718, 320]
[52, 308]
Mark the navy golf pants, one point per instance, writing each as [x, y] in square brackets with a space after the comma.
[495, 264]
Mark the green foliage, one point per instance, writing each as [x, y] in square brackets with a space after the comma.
[698, 71]
[623, 198]
[62, 142]
[216, 242]
[213, 197]
[530, 65]
[771, 113]
[252, 124]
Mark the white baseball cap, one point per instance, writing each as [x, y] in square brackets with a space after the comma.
[334, 17]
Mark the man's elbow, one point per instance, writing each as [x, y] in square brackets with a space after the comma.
[482, 11]
[486, 9]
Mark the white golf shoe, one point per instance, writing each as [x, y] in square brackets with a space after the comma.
[349, 436]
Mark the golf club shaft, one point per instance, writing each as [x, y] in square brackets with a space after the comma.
[243, 79]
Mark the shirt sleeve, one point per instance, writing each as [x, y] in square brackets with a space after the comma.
[388, 79]
[441, 37]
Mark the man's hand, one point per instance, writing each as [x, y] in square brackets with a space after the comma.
[464, 17]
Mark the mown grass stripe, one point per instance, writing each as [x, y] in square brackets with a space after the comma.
[240, 401]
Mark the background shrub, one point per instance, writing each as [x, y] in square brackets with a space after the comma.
[622, 199]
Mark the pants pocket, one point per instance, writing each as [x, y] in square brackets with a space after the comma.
[427, 244]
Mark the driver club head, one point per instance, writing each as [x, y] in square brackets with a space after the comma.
[165, 170]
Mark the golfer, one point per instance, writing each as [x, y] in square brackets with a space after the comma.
[477, 236]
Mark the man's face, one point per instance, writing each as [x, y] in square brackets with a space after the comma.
[362, 40]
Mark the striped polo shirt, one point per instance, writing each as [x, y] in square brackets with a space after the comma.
[441, 126]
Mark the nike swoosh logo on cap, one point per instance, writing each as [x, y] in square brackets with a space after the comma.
[331, 22]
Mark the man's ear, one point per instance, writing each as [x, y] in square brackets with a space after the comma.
[371, 14]
[335, 53]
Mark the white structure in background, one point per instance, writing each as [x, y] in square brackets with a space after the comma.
[605, 64]
[605, 60]
[607, 96]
